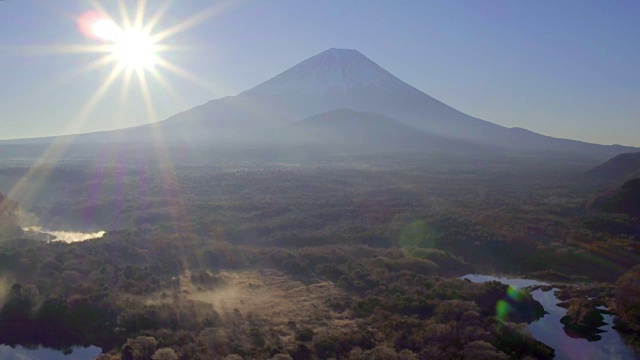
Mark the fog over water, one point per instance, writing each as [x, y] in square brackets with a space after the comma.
[69, 236]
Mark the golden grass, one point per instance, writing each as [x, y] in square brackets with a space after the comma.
[270, 298]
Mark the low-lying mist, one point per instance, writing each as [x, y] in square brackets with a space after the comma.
[68, 236]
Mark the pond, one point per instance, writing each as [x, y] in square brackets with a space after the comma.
[550, 330]
[21, 353]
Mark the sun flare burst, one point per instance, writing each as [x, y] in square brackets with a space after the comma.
[132, 39]
[132, 44]
[130, 47]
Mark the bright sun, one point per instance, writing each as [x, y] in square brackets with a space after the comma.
[133, 44]
[133, 49]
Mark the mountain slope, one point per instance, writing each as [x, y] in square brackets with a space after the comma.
[620, 167]
[357, 130]
[342, 78]
[626, 200]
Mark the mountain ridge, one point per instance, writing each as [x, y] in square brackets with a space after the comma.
[365, 130]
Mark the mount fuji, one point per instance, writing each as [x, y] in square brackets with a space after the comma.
[338, 79]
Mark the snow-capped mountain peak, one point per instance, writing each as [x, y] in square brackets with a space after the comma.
[331, 70]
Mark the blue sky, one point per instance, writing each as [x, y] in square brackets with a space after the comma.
[562, 68]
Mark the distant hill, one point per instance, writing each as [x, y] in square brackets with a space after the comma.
[624, 201]
[634, 175]
[619, 168]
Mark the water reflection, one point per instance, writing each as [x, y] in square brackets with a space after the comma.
[551, 331]
[21, 353]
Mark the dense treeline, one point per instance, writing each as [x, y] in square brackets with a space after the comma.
[379, 245]
[627, 303]
[100, 292]
[499, 214]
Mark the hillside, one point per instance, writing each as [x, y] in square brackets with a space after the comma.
[362, 131]
[624, 201]
[619, 168]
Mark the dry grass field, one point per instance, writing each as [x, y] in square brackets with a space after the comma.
[275, 300]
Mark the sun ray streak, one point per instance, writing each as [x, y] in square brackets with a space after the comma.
[142, 4]
[102, 90]
[186, 75]
[157, 16]
[99, 8]
[129, 45]
[195, 20]
[23, 192]
[42, 50]
[146, 96]
[54, 83]
[96, 64]
[172, 187]
[168, 88]
[124, 92]
[126, 82]
[93, 65]
[124, 15]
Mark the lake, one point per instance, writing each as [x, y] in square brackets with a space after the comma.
[550, 330]
[21, 353]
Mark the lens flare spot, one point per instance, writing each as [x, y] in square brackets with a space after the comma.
[86, 23]
[130, 47]
[417, 235]
[106, 30]
[514, 293]
[503, 308]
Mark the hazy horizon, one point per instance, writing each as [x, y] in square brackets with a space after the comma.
[564, 70]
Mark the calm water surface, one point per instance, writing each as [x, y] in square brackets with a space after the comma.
[550, 330]
[21, 353]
